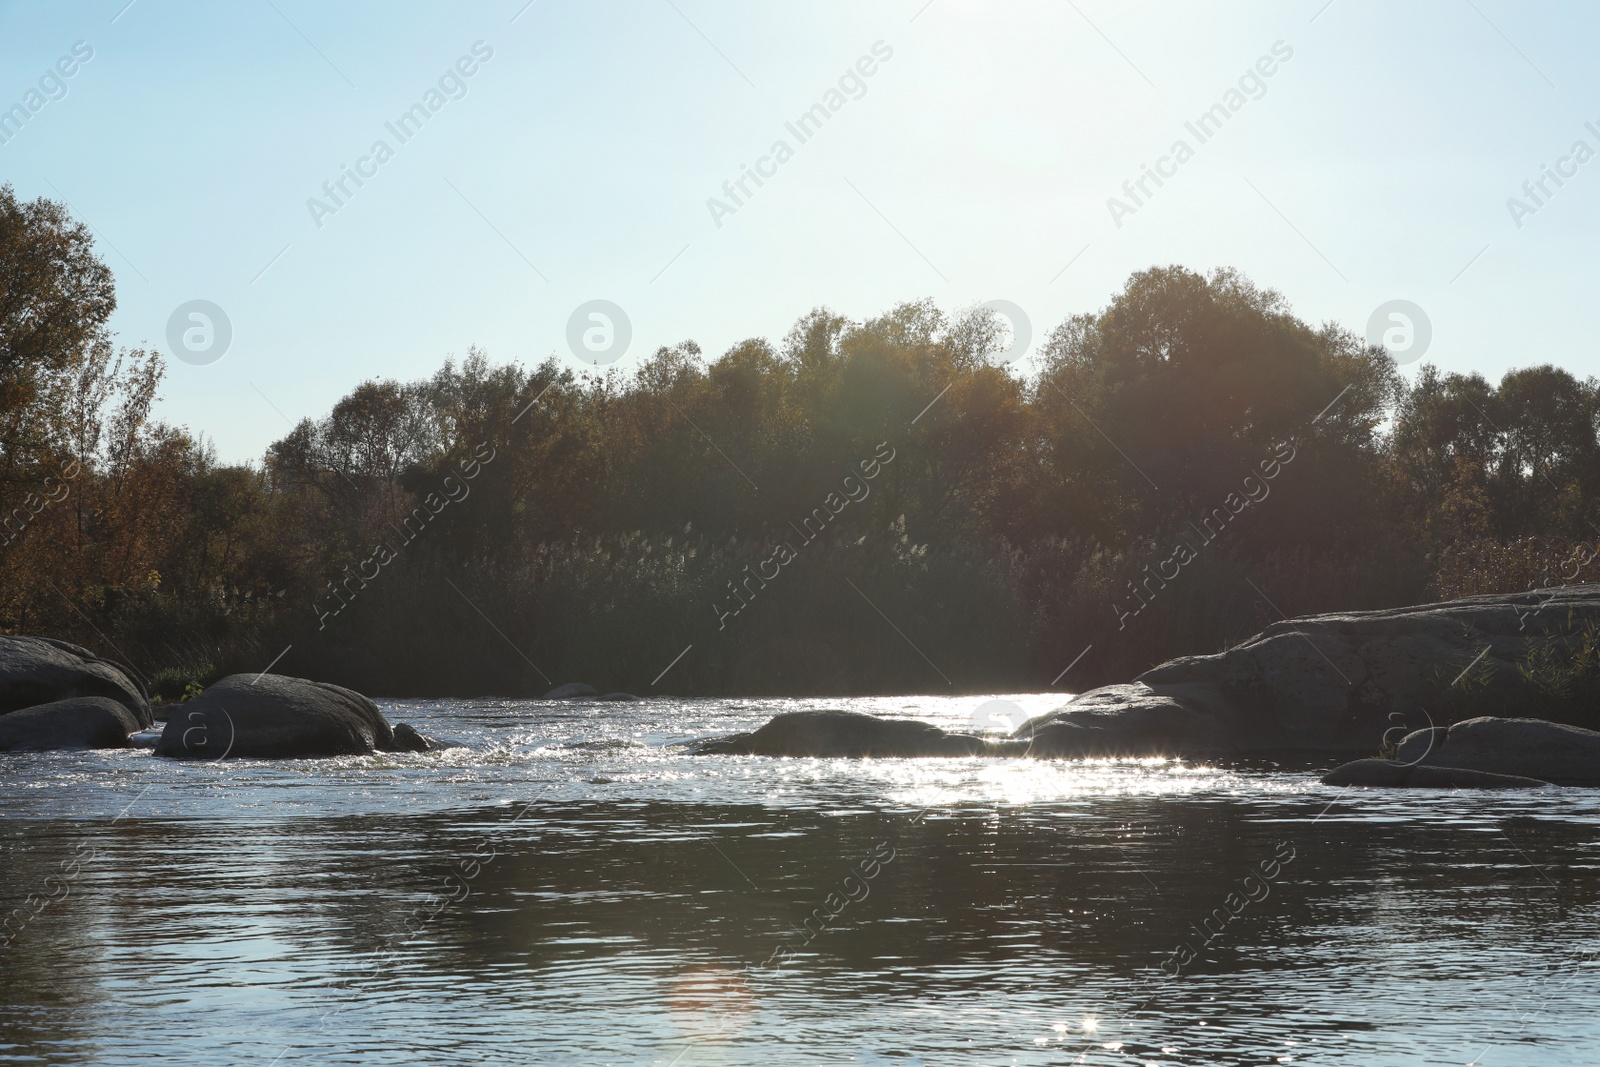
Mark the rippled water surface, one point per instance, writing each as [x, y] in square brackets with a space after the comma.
[568, 888]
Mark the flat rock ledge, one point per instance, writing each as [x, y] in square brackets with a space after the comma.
[1484, 752]
[1336, 684]
[1397, 775]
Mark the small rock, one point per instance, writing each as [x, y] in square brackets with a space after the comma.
[144, 738]
[406, 739]
[572, 691]
[80, 722]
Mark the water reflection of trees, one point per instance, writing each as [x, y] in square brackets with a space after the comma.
[1073, 908]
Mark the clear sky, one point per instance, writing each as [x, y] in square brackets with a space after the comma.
[975, 162]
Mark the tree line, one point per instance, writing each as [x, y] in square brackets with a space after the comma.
[711, 527]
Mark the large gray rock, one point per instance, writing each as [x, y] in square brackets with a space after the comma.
[1398, 775]
[849, 734]
[271, 716]
[39, 670]
[1531, 748]
[78, 722]
[1337, 683]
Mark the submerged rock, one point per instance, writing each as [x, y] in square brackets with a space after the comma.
[78, 722]
[272, 716]
[1394, 773]
[41, 670]
[849, 734]
[572, 691]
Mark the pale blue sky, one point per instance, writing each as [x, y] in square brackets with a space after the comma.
[975, 166]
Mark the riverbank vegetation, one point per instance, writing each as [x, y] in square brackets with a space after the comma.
[608, 522]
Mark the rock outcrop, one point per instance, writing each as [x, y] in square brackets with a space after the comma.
[1394, 774]
[1124, 720]
[77, 722]
[1336, 684]
[850, 734]
[1531, 748]
[271, 716]
[41, 670]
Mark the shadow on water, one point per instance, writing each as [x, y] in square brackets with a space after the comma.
[1132, 930]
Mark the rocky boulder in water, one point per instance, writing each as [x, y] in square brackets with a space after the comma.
[271, 716]
[40, 670]
[1531, 748]
[1335, 683]
[847, 734]
[78, 722]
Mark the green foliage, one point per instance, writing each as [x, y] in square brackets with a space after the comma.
[172, 684]
[1564, 673]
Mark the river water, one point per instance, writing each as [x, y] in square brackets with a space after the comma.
[569, 889]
